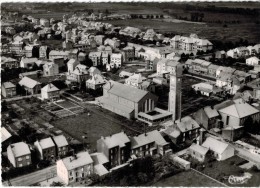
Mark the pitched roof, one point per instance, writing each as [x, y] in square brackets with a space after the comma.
[29, 60]
[82, 159]
[223, 104]
[99, 158]
[49, 88]
[118, 139]
[60, 141]
[239, 110]
[211, 112]
[46, 143]
[5, 134]
[127, 92]
[96, 79]
[186, 124]
[200, 149]
[215, 145]
[20, 149]
[28, 82]
[8, 85]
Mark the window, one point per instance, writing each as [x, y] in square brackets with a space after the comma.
[77, 173]
[19, 159]
[20, 165]
[28, 163]
[27, 157]
[227, 120]
[70, 173]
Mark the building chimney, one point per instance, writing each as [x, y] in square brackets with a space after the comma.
[202, 136]
[70, 159]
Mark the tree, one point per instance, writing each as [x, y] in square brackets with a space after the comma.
[4, 106]
[20, 90]
[57, 184]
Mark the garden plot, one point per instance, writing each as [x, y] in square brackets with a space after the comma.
[63, 108]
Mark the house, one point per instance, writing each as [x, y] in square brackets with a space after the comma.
[19, 154]
[44, 22]
[212, 70]
[27, 62]
[28, 50]
[125, 100]
[75, 168]
[50, 92]
[198, 152]
[125, 74]
[43, 51]
[95, 58]
[149, 143]
[135, 80]
[73, 54]
[101, 163]
[164, 66]
[221, 150]
[203, 88]
[232, 53]
[242, 51]
[31, 86]
[113, 43]
[223, 79]
[184, 130]
[236, 114]
[253, 61]
[129, 53]
[95, 82]
[80, 74]
[115, 60]
[105, 58]
[191, 43]
[99, 39]
[188, 127]
[255, 87]
[8, 62]
[46, 149]
[72, 63]
[62, 145]
[50, 69]
[58, 54]
[208, 117]
[243, 76]
[16, 47]
[116, 148]
[8, 89]
[130, 31]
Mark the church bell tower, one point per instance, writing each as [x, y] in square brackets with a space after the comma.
[174, 104]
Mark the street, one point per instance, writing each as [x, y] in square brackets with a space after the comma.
[32, 178]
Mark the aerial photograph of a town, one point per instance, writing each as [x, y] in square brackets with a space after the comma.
[136, 94]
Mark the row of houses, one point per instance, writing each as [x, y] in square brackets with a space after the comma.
[20, 155]
[112, 152]
[243, 51]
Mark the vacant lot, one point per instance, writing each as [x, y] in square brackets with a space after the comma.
[187, 179]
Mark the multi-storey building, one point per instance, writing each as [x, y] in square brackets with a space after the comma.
[19, 154]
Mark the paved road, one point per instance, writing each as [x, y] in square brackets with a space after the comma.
[21, 97]
[32, 178]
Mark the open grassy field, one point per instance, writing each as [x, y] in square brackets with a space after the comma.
[211, 31]
[186, 179]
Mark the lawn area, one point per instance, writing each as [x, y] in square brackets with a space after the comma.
[94, 125]
[221, 170]
[186, 179]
